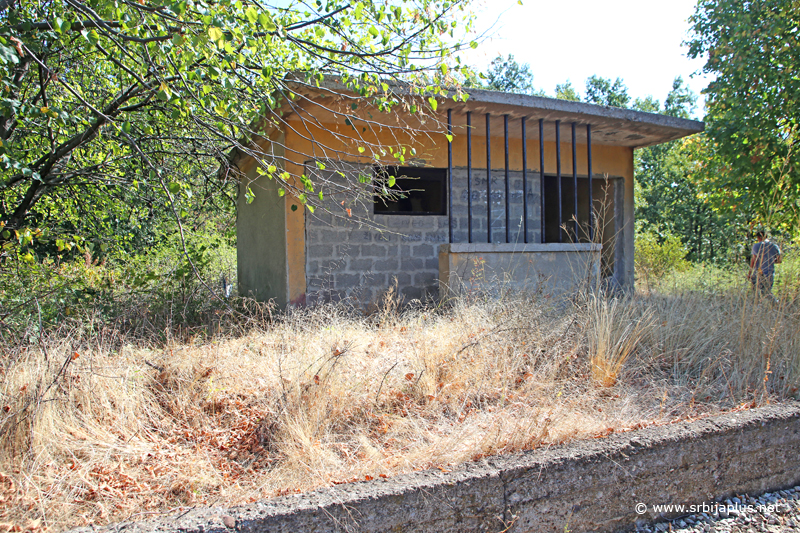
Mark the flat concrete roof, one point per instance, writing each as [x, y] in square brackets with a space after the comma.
[610, 125]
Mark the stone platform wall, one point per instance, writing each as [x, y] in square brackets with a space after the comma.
[590, 485]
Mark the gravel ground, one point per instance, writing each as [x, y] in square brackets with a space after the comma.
[770, 512]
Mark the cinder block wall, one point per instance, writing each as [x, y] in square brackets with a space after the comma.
[345, 259]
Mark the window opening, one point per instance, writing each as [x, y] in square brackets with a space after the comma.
[566, 226]
[416, 191]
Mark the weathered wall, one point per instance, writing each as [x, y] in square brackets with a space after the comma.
[358, 260]
[261, 236]
[584, 486]
[311, 256]
[344, 259]
[496, 268]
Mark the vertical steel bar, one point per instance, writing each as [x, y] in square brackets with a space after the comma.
[591, 200]
[524, 182]
[541, 176]
[508, 185]
[450, 173]
[469, 176]
[488, 179]
[575, 181]
[558, 176]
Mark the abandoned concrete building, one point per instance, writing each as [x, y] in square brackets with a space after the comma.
[524, 192]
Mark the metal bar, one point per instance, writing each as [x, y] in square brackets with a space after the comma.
[558, 175]
[591, 198]
[469, 176]
[524, 182]
[508, 186]
[450, 173]
[488, 179]
[541, 176]
[575, 180]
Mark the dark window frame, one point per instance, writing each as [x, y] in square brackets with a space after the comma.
[406, 177]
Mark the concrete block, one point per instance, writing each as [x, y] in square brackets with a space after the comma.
[426, 279]
[320, 250]
[344, 250]
[359, 264]
[426, 222]
[422, 250]
[403, 279]
[388, 265]
[347, 281]
[412, 293]
[393, 221]
[332, 235]
[373, 250]
[411, 263]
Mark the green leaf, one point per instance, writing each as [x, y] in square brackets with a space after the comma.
[266, 22]
[249, 195]
[433, 102]
[360, 149]
[93, 37]
[215, 33]
[174, 187]
[8, 55]
[392, 181]
[251, 14]
[449, 138]
[294, 207]
[473, 45]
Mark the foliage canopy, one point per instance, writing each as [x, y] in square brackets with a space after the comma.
[753, 105]
[115, 113]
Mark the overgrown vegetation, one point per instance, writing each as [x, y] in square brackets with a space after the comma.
[131, 383]
[95, 428]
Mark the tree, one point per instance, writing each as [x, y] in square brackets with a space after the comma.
[753, 105]
[565, 91]
[603, 91]
[507, 75]
[113, 111]
[669, 200]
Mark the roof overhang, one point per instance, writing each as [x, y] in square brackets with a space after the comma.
[610, 125]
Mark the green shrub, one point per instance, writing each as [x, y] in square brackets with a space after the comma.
[658, 254]
[157, 291]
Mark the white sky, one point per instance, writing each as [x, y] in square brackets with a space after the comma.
[636, 40]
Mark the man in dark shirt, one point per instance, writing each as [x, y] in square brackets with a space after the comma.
[765, 256]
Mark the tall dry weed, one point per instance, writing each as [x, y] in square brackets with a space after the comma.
[94, 430]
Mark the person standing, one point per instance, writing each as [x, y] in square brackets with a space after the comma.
[765, 255]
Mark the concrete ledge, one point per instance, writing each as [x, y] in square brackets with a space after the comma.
[552, 268]
[484, 248]
[589, 485]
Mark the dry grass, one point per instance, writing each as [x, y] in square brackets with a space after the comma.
[99, 431]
